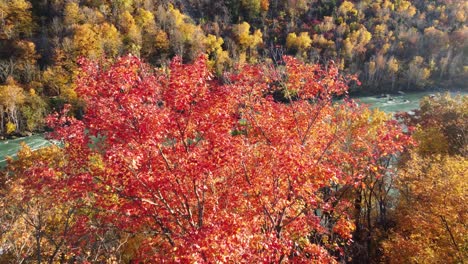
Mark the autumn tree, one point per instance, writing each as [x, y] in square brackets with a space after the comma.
[219, 58]
[252, 7]
[205, 171]
[33, 111]
[72, 14]
[39, 226]
[186, 37]
[132, 32]
[299, 43]
[31, 229]
[36, 37]
[296, 8]
[247, 41]
[393, 67]
[355, 44]
[431, 213]
[443, 125]
[11, 99]
[418, 73]
[347, 11]
[16, 19]
[86, 41]
[111, 40]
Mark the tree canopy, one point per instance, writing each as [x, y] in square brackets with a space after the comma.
[196, 169]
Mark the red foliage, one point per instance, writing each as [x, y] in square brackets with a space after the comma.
[212, 171]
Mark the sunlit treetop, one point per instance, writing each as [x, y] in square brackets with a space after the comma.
[222, 171]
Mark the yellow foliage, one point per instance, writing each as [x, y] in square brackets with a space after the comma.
[184, 33]
[176, 16]
[242, 57]
[321, 41]
[300, 43]
[161, 41]
[244, 38]
[26, 157]
[218, 57]
[257, 38]
[188, 30]
[417, 71]
[432, 214]
[252, 6]
[10, 127]
[297, 7]
[406, 8]
[56, 79]
[385, 48]
[447, 114]
[28, 52]
[145, 19]
[347, 9]
[348, 48]
[431, 141]
[388, 4]
[72, 14]
[380, 31]
[16, 18]
[95, 162]
[11, 95]
[87, 41]
[357, 40]
[126, 21]
[362, 36]
[242, 31]
[290, 40]
[393, 65]
[213, 43]
[111, 39]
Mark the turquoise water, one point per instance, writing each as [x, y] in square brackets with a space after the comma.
[389, 104]
[10, 147]
[398, 103]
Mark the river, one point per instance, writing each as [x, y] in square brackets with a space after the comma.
[10, 147]
[389, 104]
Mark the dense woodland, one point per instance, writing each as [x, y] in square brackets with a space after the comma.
[391, 45]
[206, 132]
[176, 166]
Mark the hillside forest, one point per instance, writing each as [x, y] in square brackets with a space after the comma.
[391, 45]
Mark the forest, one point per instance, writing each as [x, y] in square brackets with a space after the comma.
[392, 45]
[203, 131]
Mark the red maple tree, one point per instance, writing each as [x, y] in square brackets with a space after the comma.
[250, 168]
